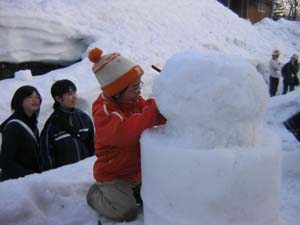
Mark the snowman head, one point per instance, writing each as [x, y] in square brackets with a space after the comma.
[208, 92]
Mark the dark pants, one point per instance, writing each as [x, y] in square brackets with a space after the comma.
[274, 81]
[293, 125]
[115, 199]
[287, 86]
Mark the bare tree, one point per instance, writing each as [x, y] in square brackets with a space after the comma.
[289, 9]
[293, 9]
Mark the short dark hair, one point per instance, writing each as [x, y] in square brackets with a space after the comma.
[18, 98]
[61, 87]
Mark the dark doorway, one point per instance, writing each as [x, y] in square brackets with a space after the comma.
[236, 6]
[225, 2]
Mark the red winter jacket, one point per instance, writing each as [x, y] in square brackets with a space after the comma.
[118, 129]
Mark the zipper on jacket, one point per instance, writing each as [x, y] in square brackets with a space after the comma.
[77, 148]
[75, 139]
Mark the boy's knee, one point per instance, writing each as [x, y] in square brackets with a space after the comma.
[122, 212]
[130, 214]
[112, 209]
[91, 195]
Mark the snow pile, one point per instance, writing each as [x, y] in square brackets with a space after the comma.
[34, 199]
[23, 75]
[205, 164]
[279, 33]
[52, 41]
[126, 26]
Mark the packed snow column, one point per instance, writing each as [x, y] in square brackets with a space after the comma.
[214, 162]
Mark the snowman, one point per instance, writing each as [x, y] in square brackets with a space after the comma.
[215, 162]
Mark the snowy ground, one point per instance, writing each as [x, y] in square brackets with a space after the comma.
[148, 32]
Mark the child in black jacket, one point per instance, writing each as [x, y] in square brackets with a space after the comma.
[19, 149]
[68, 135]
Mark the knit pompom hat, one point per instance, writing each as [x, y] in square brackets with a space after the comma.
[295, 56]
[113, 71]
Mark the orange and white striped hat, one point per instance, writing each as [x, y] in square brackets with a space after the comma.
[113, 71]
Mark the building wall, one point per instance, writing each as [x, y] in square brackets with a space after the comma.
[254, 15]
[248, 8]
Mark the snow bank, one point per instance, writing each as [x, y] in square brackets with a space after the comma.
[23, 75]
[34, 199]
[30, 39]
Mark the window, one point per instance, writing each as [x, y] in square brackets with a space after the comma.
[261, 6]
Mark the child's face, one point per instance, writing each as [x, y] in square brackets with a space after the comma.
[31, 104]
[68, 100]
[294, 61]
[132, 92]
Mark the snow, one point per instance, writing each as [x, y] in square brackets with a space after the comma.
[23, 75]
[148, 32]
[221, 186]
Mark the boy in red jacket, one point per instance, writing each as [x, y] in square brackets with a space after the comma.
[120, 116]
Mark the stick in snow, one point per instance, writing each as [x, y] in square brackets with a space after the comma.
[156, 68]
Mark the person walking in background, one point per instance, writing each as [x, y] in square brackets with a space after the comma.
[274, 67]
[19, 154]
[289, 72]
[120, 116]
[68, 135]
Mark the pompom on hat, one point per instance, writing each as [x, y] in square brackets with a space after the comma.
[113, 71]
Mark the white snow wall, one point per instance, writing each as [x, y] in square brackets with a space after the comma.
[203, 187]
